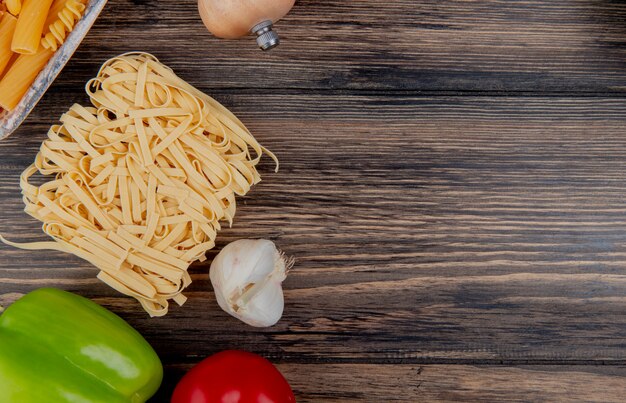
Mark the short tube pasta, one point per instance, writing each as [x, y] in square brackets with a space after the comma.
[30, 26]
[41, 27]
[8, 67]
[7, 26]
[14, 6]
[20, 76]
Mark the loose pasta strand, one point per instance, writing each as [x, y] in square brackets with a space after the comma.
[67, 18]
[30, 25]
[141, 178]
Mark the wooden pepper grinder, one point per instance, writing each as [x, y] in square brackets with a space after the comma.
[236, 18]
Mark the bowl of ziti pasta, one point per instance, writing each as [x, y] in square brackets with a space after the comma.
[37, 38]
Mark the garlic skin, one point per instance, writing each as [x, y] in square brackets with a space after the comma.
[247, 277]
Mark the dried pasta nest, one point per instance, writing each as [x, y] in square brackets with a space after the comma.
[141, 179]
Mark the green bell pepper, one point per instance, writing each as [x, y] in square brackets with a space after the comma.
[58, 347]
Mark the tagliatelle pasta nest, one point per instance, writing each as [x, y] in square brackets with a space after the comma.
[142, 178]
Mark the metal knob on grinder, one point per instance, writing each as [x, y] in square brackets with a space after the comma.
[232, 19]
[266, 38]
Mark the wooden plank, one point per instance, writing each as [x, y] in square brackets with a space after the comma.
[455, 383]
[574, 46]
[446, 229]
[445, 383]
[449, 248]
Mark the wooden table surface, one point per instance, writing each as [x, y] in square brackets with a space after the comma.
[453, 186]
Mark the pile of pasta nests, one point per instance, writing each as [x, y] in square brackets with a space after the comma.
[142, 178]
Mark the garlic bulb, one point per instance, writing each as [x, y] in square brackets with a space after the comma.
[247, 277]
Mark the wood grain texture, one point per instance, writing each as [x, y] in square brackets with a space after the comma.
[429, 229]
[458, 46]
[452, 186]
[449, 383]
[455, 383]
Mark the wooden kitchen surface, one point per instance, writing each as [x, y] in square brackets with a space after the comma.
[452, 185]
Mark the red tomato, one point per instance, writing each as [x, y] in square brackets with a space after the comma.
[233, 377]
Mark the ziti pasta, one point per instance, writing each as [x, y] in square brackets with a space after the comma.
[7, 26]
[140, 180]
[30, 24]
[14, 6]
[30, 31]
